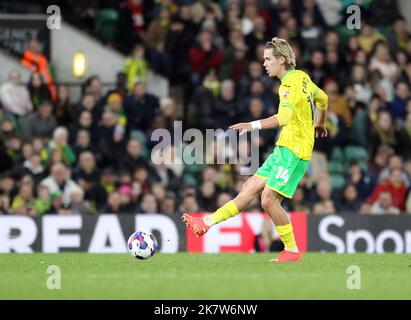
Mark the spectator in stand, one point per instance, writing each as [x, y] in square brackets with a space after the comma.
[83, 143]
[382, 60]
[133, 157]
[324, 194]
[39, 92]
[380, 160]
[204, 56]
[404, 138]
[115, 105]
[395, 185]
[400, 36]
[60, 142]
[64, 110]
[87, 167]
[15, 97]
[189, 204]
[148, 204]
[360, 85]
[34, 60]
[113, 203]
[402, 95]
[4, 204]
[41, 123]
[369, 37]
[121, 85]
[362, 180]
[298, 202]
[226, 108]
[140, 108]
[59, 182]
[181, 35]
[136, 66]
[408, 203]
[23, 202]
[207, 196]
[383, 132]
[324, 207]
[168, 205]
[94, 87]
[395, 162]
[106, 126]
[125, 199]
[337, 102]
[311, 34]
[111, 147]
[350, 201]
[384, 204]
[316, 66]
[88, 103]
[32, 166]
[156, 39]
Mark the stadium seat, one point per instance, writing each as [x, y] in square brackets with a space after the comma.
[337, 155]
[355, 153]
[336, 167]
[358, 129]
[106, 24]
[337, 182]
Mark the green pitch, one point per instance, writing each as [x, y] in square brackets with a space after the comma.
[203, 276]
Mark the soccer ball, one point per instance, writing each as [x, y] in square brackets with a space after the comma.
[142, 245]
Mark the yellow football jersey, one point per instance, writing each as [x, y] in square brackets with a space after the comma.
[298, 92]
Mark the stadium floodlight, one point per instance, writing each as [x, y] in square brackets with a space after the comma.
[79, 64]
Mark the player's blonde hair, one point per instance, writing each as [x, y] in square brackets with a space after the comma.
[281, 48]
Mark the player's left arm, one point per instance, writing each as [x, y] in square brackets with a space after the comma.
[321, 100]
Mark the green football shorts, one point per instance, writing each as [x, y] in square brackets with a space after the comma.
[283, 171]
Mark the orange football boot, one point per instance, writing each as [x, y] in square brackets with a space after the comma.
[196, 225]
[287, 256]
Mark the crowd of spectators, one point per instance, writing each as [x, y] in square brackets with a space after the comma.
[59, 156]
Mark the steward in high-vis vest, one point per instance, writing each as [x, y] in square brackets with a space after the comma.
[36, 61]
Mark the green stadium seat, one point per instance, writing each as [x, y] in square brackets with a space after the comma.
[355, 153]
[337, 155]
[336, 167]
[337, 182]
[105, 25]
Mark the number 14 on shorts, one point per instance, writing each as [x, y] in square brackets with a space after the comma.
[282, 174]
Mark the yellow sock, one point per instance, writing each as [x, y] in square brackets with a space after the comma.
[226, 211]
[287, 237]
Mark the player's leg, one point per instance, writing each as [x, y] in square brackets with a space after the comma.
[284, 178]
[250, 189]
[271, 203]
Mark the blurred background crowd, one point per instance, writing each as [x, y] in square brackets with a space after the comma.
[62, 156]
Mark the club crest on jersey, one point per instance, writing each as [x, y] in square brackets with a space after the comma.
[284, 94]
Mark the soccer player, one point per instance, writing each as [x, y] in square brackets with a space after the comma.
[281, 172]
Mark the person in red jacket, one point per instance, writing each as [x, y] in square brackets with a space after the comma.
[394, 185]
[204, 56]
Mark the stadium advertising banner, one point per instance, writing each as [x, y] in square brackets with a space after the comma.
[238, 234]
[359, 233]
[108, 233]
[16, 32]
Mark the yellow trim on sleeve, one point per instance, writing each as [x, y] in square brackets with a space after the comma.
[287, 105]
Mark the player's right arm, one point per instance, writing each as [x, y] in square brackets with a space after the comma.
[321, 99]
[288, 100]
